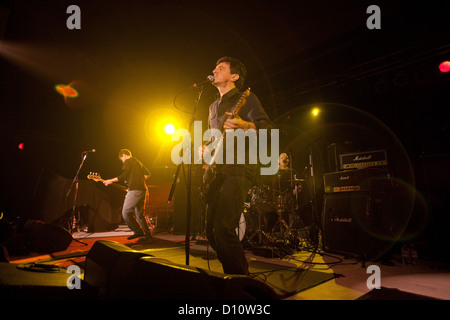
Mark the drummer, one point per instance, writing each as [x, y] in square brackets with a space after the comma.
[285, 180]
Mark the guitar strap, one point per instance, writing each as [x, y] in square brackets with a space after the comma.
[224, 117]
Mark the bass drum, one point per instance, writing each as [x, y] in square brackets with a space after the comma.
[262, 198]
[240, 230]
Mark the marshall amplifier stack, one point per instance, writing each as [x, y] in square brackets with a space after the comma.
[367, 180]
[341, 156]
[366, 159]
[356, 211]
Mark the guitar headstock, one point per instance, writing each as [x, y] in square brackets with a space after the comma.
[94, 176]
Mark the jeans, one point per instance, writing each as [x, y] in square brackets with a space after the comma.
[222, 219]
[133, 212]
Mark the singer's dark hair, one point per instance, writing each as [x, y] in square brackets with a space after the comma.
[124, 151]
[236, 67]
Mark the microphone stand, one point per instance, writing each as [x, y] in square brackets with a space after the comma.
[73, 221]
[312, 185]
[291, 172]
[188, 182]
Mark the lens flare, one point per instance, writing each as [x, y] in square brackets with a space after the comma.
[66, 91]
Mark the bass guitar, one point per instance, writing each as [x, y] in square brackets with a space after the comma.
[96, 177]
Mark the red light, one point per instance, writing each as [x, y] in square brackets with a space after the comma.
[445, 66]
[20, 146]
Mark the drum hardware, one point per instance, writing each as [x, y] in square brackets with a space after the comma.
[272, 221]
[253, 226]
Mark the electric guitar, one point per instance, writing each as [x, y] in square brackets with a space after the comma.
[210, 172]
[96, 177]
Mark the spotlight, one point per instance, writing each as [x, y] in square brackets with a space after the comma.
[315, 112]
[159, 129]
[169, 128]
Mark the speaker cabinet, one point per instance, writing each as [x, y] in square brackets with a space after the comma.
[107, 264]
[118, 272]
[160, 279]
[46, 237]
[356, 223]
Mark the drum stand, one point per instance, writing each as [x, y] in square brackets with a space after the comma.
[284, 227]
[255, 236]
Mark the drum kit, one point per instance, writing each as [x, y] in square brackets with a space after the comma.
[271, 216]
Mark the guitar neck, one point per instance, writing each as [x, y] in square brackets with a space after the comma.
[236, 108]
[97, 178]
[234, 111]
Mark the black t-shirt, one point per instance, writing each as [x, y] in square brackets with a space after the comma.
[133, 172]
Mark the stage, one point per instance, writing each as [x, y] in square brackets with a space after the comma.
[301, 275]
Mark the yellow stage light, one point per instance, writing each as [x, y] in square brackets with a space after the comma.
[169, 128]
[160, 125]
[315, 112]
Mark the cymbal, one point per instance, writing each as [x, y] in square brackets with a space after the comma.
[297, 180]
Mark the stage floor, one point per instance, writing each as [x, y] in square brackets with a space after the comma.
[299, 275]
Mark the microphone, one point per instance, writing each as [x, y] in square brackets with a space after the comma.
[209, 79]
[93, 150]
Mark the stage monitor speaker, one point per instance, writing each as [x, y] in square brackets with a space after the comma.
[160, 279]
[122, 273]
[45, 237]
[356, 223]
[107, 264]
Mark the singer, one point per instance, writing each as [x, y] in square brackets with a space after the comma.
[134, 173]
[231, 182]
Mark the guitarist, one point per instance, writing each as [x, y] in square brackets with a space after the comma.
[134, 174]
[226, 197]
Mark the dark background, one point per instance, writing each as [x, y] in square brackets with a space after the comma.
[376, 88]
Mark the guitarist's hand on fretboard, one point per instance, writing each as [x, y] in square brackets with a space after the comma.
[108, 182]
[234, 122]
